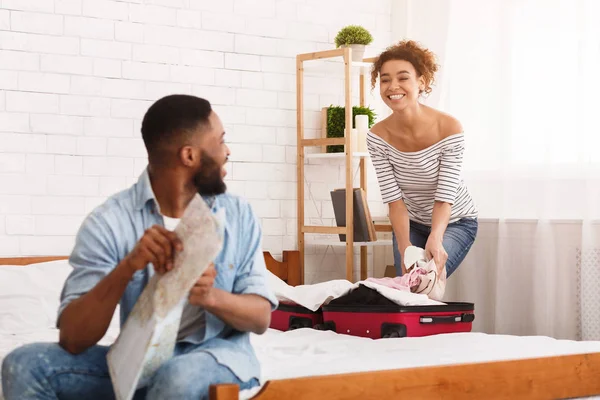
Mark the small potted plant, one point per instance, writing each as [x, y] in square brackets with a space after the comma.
[336, 123]
[356, 37]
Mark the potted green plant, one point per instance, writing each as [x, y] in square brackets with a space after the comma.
[356, 37]
[336, 123]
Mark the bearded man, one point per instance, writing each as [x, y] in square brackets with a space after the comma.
[124, 241]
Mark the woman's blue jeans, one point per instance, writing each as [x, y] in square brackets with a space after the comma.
[458, 239]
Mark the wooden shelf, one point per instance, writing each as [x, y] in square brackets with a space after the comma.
[337, 243]
[329, 66]
[323, 229]
[336, 155]
[323, 142]
[336, 61]
[383, 228]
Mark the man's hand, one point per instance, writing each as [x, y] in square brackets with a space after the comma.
[157, 246]
[86, 319]
[434, 249]
[202, 294]
[244, 312]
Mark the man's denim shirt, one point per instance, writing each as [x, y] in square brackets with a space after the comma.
[113, 229]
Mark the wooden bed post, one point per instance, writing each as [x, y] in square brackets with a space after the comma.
[294, 271]
[225, 391]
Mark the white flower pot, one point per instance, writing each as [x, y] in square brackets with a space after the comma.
[358, 51]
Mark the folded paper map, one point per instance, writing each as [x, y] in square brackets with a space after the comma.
[147, 339]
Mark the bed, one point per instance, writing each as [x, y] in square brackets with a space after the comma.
[311, 364]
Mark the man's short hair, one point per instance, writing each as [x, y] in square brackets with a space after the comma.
[170, 119]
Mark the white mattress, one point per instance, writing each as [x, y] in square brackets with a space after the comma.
[306, 352]
[29, 297]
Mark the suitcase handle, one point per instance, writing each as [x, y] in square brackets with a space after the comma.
[447, 319]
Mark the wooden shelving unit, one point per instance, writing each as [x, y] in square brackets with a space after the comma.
[349, 155]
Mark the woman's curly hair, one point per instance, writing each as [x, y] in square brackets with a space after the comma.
[422, 59]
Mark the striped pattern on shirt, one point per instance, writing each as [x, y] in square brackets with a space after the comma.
[422, 177]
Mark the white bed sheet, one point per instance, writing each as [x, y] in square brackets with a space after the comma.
[307, 352]
[29, 299]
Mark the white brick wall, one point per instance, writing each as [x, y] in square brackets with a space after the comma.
[76, 77]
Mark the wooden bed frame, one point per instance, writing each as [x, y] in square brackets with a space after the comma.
[559, 377]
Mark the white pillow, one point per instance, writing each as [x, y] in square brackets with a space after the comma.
[30, 296]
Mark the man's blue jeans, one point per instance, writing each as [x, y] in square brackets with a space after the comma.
[46, 371]
[458, 239]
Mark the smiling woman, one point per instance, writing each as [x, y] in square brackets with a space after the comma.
[421, 60]
[417, 154]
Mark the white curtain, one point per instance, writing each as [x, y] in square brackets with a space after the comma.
[523, 77]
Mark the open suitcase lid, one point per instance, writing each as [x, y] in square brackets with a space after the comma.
[368, 300]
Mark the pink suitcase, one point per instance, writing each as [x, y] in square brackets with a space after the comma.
[367, 313]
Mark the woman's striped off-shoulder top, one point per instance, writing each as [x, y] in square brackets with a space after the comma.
[420, 178]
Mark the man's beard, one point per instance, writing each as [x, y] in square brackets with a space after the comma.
[208, 179]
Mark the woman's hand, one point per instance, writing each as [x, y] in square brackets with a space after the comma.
[402, 249]
[434, 249]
